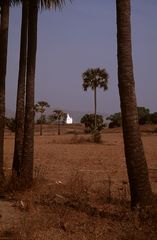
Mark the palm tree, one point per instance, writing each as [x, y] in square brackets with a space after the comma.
[28, 144]
[41, 107]
[140, 188]
[93, 78]
[26, 172]
[58, 115]
[20, 100]
[4, 24]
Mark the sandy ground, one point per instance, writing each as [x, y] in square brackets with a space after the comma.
[65, 160]
[57, 157]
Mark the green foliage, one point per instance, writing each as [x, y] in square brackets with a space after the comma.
[95, 77]
[89, 121]
[42, 120]
[143, 115]
[10, 124]
[41, 106]
[58, 115]
[116, 120]
[51, 118]
[153, 118]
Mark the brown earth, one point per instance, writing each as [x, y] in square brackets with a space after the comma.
[70, 166]
[60, 156]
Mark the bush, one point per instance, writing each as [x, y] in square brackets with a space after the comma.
[10, 124]
[115, 119]
[89, 122]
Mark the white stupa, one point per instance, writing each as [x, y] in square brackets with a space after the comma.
[69, 120]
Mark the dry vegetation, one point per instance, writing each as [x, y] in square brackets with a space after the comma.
[80, 189]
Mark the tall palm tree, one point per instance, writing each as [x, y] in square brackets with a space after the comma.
[93, 78]
[28, 144]
[4, 24]
[41, 107]
[26, 169]
[20, 100]
[140, 188]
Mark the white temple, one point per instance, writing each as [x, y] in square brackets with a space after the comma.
[69, 120]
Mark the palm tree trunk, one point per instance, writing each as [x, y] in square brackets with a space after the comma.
[95, 109]
[59, 131]
[4, 24]
[41, 119]
[140, 188]
[20, 103]
[28, 147]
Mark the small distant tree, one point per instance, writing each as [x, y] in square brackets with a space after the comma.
[89, 121]
[58, 115]
[116, 120]
[94, 78]
[10, 123]
[41, 107]
[153, 118]
[143, 115]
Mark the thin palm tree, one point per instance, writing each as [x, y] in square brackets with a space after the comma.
[41, 107]
[20, 100]
[140, 188]
[26, 173]
[58, 115]
[4, 25]
[26, 169]
[94, 78]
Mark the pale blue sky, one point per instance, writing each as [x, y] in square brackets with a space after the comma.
[81, 36]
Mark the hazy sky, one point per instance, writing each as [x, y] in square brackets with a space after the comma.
[81, 36]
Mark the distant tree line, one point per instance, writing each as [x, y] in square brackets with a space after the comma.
[58, 116]
[144, 117]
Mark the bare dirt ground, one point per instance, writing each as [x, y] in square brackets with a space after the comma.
[81, 188]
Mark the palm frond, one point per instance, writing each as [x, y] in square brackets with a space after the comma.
[48, 4]
[42, 4]
[95, 77]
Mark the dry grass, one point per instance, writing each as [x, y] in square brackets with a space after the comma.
[80, 189]
[69, 211]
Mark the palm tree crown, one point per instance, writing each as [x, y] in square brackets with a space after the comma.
[41, 106]
[95, 77]
[58, 114]
[43, 4]
[51, 3]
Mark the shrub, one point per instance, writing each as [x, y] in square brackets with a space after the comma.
[10, 124]
[89, 121]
